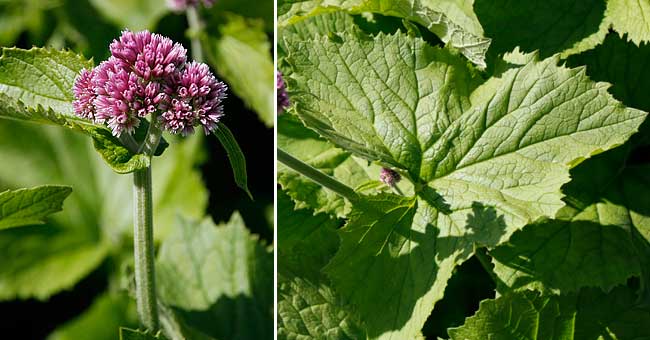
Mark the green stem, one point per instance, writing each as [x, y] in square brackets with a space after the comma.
[143, 250]
[317, 176]
[484, 259]
[196, 26]
[143, 241]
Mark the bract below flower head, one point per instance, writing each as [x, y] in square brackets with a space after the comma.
[181, 5]
[197, 100]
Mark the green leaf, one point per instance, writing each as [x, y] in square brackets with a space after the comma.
[307, 304]
[118, 157]
[36, 85]
[30, 206]
[453, 21]
[134, 15]
[591, 314]
[631, 18]
[308, 147]
[247, 8]
[533, 25]
[242, 56]
[562, 256]
[101, 321]
[235, 155]
[485, 160]
[136, 334]
[40, 261]
[229, 297]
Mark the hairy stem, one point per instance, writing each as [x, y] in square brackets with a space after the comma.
[143, 249]
[317, 176]
[196, 26]
[484, 259]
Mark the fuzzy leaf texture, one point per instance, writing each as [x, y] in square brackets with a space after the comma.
[208, 270]
[591, 314]
[36, 86]
[308, 306]
[31, 206]
[453, 21]
[486, 159]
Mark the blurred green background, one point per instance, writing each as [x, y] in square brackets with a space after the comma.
[87, 245]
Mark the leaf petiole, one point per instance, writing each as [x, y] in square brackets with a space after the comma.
[317, 176]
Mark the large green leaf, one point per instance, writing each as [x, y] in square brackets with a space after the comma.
[485, 160]
[591, 314]
[308, 307]
[40, 261]
[601, 238]
[135, 15]
[101, 321]
[221, 277]
[631, 17]
[242, 56]
[549, 26]
[30, 206]
[453, 21]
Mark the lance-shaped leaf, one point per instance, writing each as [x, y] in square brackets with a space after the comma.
[591, 314]
[486, 160]
[208, 270]
[30, 206]
[36, 86]
[308, 306]
[453, 21]
[235, 155]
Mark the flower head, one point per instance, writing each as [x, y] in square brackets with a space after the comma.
[282, 95]
[181, 5]
[148, 74]
[196, 101]
[389, 177]
[84, 93]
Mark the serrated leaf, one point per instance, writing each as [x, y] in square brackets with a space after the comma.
[631, 18]
[534, 25]
[486, 160]
[36, 85]
[591, 314]
[40, 261]
[118, 157]
[599, 239]
[30, 206]
[209, 271]
[562, 256]
[235, 155]
[136, 334]
[241, 55]
[307, 304]
[134, 15]
[452, 21]
[101, 321]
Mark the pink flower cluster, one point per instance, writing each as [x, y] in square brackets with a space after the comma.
[282, 95]
[148, 74]
[181, 5]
